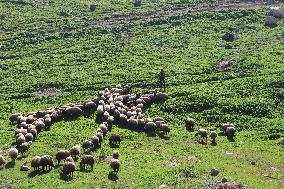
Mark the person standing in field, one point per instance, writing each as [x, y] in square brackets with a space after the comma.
[162, 79]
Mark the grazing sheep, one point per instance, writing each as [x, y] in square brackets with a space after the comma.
[270, 21]
[48, 122]
[114, 139]
[24, 167]
[189, 123]
[86, 145]
[203, 133]
[90, 106]
[276, 12]
[23, 125]
[161, 96]
[14, 117]
[74, 111]
[2, 161]
[20, 140]
[33, 132]
[100, 110]
[46, 161]
[150, 127]
[133, 123]
[87, 160]
[35, 163]
[96, 142]
[100, 136]
[69, 159]
[224, 127]
[115, 165]
[30, 119]
[123, 118]
[103, 127]
[228, 37]
[164, 129]
[110, 121]
[75, 151]
[29, 137]
[24, 147]
[68, 168]
[23, 131]
[230, 132]
[39, 126]
[62, 155]
[13, 153]
[213, 135]
[115, 155]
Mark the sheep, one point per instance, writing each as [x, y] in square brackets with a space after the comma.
[123, 118]
[2, 161]
[96, 142]
[23, 125]
[213, 135]
[86, 145]
[33, 132]
[39, 125]
[48, 122]
[115, 165]
[133, 123]
[270, 21]
[29, 137]
[110, 121]
[203, 133]
[165, 129]
[230, 132]
[90, 106]
[87, 160]
[13, 153]
[74, 111]
[46, 161]
[20, 140]
[150, 127]
[35, 163]
[14, 117]
[103, 127]
[114, 139]
[161, 96]
[189, 123]
[24, 167]
[24, 147]
[68, 168]
[276, 12]
[62, 155]
[30, 119]
[100, 136]
[23, 131]
[75, 151]
[224, 127]
[115, 155]
[21, 119]
[100, 110]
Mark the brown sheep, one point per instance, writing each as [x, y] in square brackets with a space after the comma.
[2, 161]
[115, 155]
[87, 160]
[75, 151]
[114, 139]
[189, 124]
[35, 163]
[62, 155]
[46, 162]
[86, 145]
[202, 133]
[68, 168]
[213, 135]
[115, 165]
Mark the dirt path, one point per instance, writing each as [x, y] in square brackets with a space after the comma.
[198, 8]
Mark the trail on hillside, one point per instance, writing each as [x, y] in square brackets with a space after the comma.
[223, 5]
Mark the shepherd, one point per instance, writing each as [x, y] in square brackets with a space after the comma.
[162, 79]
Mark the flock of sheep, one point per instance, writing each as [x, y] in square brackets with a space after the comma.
[111, 105]
[114, 105]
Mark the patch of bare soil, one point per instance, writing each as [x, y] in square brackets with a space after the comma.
[47, 92]
[230, 185]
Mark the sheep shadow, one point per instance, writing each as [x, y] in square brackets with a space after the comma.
[85, 170]
[111, 145]
[112, 176]
[151, 134]
[65, 177]
[163, 136]
[35, 173]
[10, 165]
[213, 143]
[231, 139]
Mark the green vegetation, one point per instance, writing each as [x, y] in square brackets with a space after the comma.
[45, 44]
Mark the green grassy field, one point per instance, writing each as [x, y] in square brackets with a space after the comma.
[46, 44]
